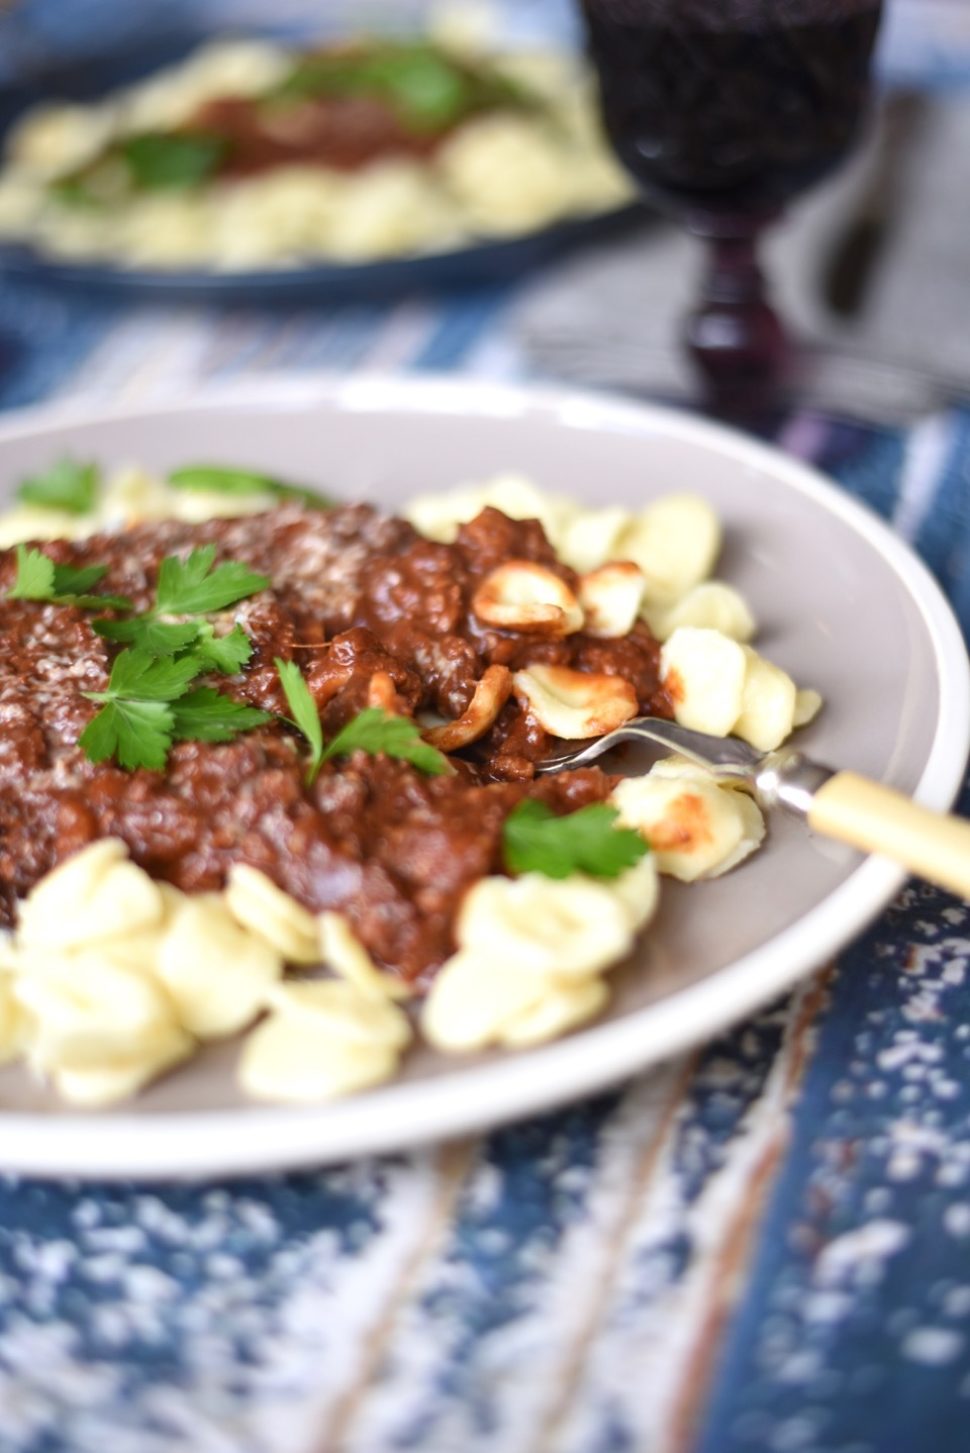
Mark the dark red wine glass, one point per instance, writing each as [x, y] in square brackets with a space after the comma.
[723, 111]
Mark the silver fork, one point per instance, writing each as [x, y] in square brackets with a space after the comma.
[838, 804]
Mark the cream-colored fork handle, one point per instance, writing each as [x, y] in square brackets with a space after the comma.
[875, 818]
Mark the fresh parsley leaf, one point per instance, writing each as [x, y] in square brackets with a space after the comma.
[158, 638]
[222, 480]
[136, 721]
[228, 653]
[168, 161]
[427, 89]
[134, 733]
[375, 730]
[73, 587]
[68, 580]
[67, 485]
[305, 718]
[205, 715]
[35, 575]
[38, 578]
[535, 840]
[140, 675]
[193, 587]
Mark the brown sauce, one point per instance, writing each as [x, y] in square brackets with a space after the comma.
[354, 593]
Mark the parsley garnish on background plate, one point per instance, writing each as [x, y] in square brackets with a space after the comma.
[160, 161]
[372, 730]
[221, 479]
[67, 485]
[535, 840]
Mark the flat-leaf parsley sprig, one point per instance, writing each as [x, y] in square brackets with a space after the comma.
[67, 485]
[535, 840]
[147, 706]
[38, 578]
[372, 730]
[192, 587]
[223, 479]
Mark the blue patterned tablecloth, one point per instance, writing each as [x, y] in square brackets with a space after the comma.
[761, 1246]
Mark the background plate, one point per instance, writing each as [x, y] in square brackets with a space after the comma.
[842, 603]
[476, 264]
[462, 267]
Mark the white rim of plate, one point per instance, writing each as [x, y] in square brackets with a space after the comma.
[210, 1143]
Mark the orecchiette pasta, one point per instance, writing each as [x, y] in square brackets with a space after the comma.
[722, 687]
[13, 1022]
[704, 674]
[575, 704]
[523, 596]
[530, 956]
[217, 974]
[496, 174]
[257, 904]
[322, 1039]
[675, 541]
[541, 926]
[111, 978]
[96, 894]
[342, 951]
[610, 598]
[696, 828]
[711, 605]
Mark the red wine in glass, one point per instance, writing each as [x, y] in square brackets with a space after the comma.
[724, 110]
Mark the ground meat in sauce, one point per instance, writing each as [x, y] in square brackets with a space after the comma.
[355, 594]
[342, 132]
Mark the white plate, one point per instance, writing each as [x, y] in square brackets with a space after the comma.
[842, 604]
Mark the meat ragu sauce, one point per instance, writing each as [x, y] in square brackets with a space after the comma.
[356, 595]
[343, 132]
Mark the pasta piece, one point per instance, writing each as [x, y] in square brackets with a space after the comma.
[52, 140]
[575, 704]
[638, 889]
[712, 605]
[768, 704]
[164, 230]
[224, 68]
[94, 895]
[389, 208]
[475, 996]
[31, 522]
[507, 173]
[342, 951]
[523, 596]
[588, 539]
[347, 1013]
[288, 1057]
[14, 1022]
[217, 974]
[96, 1086]
[808, 704]
[704, 673]
[567, 929]
[558, 1012]
[696, 828]
[675, 541]
[89, 1010]
[272, 915]
[490, 695]
[438, 515]
[610, 598]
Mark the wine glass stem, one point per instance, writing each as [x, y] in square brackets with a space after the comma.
[734, 335]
